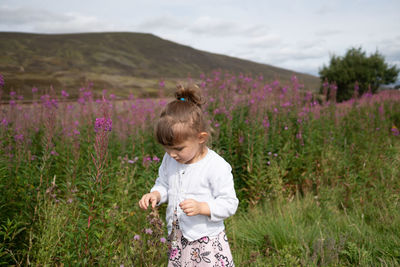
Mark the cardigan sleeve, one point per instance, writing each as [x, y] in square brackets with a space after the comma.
[161, 184]
[224, 202]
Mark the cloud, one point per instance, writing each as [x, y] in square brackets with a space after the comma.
[327, 32]
[218, 27]
[265, 41]
[164, 22]
[22, 16]
[40, 20]
[214, 26]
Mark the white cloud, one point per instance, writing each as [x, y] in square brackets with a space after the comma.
[214, 26]
[264, 41]
[327, 32]
[164, 22]
[43, 21]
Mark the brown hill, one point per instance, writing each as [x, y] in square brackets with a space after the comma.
[121, 62]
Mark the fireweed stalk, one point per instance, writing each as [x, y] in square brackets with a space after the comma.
[102, 127]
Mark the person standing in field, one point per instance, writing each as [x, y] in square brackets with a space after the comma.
[196, 182]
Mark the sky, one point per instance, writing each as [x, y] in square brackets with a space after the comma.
[298, 35]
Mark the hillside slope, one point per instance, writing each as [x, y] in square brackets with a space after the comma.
[120, 61]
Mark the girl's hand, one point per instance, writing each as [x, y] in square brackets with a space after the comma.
[151, 198]
[192, 207]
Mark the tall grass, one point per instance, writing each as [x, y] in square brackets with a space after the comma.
[317, 181]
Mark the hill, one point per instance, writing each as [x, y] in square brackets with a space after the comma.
[119, 61]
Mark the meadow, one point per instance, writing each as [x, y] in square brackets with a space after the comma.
[318, 181]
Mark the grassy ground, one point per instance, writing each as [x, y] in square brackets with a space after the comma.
[317, 182]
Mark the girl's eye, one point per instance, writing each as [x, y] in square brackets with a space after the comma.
[179, 148]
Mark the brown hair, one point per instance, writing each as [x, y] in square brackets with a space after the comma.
[182, 118]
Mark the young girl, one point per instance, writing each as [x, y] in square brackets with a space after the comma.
[196, 182]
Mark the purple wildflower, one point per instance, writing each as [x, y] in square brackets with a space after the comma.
[356, 87]
[34, 90]
[163, 240]
[162, 83]
[266, 122]
[148, 231]
[19, 137]
[103, 124]
[64, 93]
[136, 237]
[87, 94]
[156, 159]
[12, 93]
[4, 122]
[146, 160]
[395, 131]
[1, 81]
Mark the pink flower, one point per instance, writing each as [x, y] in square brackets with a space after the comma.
[4, 122]
[19, 137]
[146, 161]
[136, 237]
[1, 81]
[103, 124]
[64, 93]
[395, 131]
[148, 231]
[163, 240]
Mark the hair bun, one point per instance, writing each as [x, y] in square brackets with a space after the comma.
[191, 94]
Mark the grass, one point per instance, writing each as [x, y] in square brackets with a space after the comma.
[318, 184]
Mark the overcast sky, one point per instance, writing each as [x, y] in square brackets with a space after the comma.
[298, 35]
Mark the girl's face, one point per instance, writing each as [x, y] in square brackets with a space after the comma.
[189, 151]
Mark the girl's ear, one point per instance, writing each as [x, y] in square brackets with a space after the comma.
[203, 136]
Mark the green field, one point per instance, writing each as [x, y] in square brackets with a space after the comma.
[318, 182]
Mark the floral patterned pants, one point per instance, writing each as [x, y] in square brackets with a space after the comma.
[205, 251]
